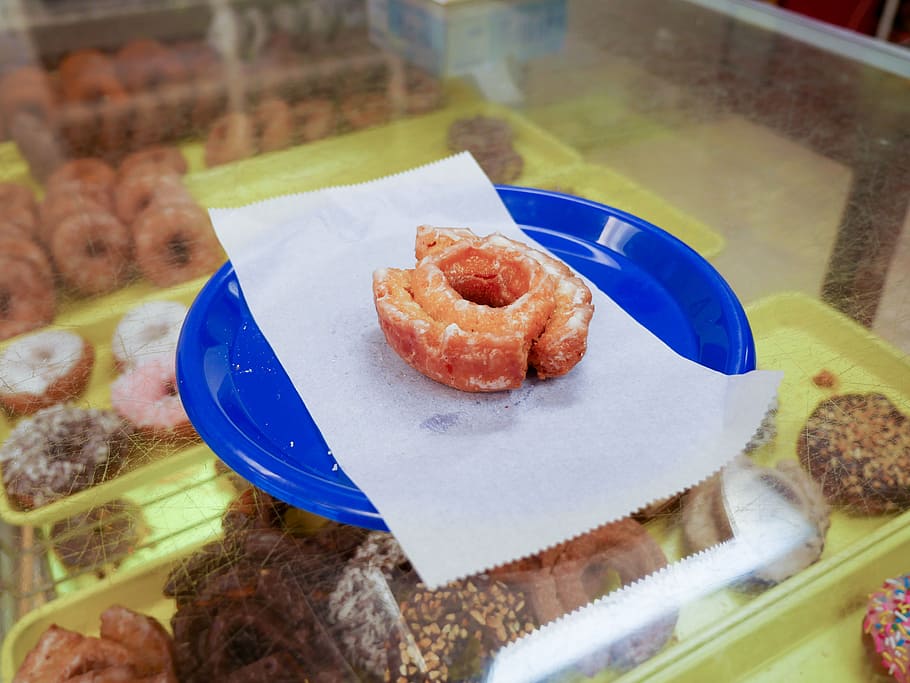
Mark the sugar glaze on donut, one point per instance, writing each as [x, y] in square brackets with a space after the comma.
[148, 331]
[475, 312]
[43, 369]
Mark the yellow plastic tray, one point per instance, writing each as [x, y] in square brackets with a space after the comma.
[95, 319]
[369, 154]
[179, 511]
[808, 627]
[608, 187]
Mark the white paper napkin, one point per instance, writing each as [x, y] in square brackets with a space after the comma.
[469, 481]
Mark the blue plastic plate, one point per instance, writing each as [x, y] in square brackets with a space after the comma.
[258, 425]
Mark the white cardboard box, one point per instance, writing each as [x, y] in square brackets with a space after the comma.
[457, 37]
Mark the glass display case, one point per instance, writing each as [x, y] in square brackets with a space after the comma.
[729, 179]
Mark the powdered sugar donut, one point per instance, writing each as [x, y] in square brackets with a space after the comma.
[146, 396]
[43, 369]
[148, 331]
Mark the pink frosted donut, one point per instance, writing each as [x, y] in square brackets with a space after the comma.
[146, 396]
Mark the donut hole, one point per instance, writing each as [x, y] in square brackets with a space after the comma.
[245, 645]
[486, 278]
[179, 249]
[95, 248]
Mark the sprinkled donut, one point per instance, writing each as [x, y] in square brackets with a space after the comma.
[475, 313]
[146, 396]
[175, 244]
[27, 299]
[92, 252]
[232, 138]
[61, 450]
[43, 369]
[857, 446]
[886, 627]
[148, 331]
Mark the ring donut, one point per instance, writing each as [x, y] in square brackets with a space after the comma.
[564, 341]
[89, 76]
[42, 369]
[146, 397]
[27, 299]
[232, 138]
[475, 313]
[31, 253]
[574, 573]
[62, 203]
[92, 252]
[175, 243]
[136, 192]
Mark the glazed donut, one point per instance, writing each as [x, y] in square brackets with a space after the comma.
[42, 369]
[576, 572]
[114, 115]
[274, 125]
[146, 64]
[564, 340]
[314, 119]
[11, 230]
[92, 252]
[27, 299]
[886, 628]
[475, 312]
[136, 192]
[366, 109]
[66, 201]
[232, 138]
[161, 156]
[27, 89]
[146, 397]
[37, 142]
[148, 331]
[175, 243]
[61, 450]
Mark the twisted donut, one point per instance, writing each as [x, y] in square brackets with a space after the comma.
[475, 313]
